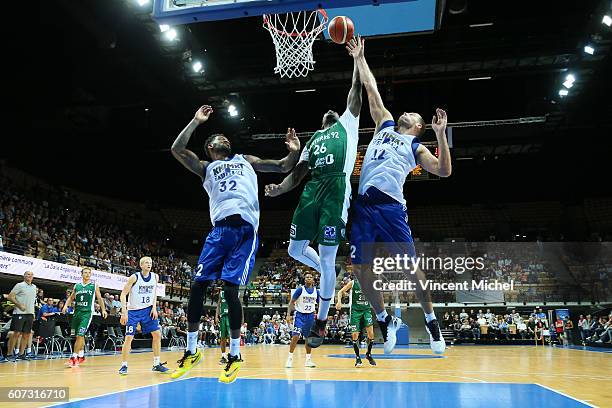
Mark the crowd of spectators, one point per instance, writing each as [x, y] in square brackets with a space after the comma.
[51, 223]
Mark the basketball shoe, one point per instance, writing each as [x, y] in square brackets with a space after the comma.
[358, 362]
[370, 359]
[160, 368]
[389, 329]
[81, 360]
[186, 363]
[436, 341]
[317, 333]
[309, 363]
[230, 372]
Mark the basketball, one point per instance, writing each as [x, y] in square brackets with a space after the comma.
[341, 29]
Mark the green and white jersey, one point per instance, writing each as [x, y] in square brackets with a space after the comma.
[84, 297]
[358, 300]
[332, 152]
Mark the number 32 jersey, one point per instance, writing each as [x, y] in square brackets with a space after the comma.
[231, 185]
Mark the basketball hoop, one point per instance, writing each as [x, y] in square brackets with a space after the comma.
[293, 35]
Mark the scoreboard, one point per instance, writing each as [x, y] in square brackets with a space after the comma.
[417, 174]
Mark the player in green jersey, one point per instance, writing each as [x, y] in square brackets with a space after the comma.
[83, 293]
[360, 312]
[322, 212]
[222, 318]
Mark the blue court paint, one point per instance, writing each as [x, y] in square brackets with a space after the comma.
[198, 392]
[389, 356]
[389, 19]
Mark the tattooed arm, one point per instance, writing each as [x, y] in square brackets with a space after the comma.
[179, 148]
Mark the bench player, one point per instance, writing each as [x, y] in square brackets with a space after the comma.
[361, 314]
[141, 308]
[83, 293]
[304, 301]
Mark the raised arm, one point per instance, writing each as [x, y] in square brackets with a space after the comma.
[440, 166]
[353, 102]
[341, 293]
[290, 182]
[379, 113]
[283, 165]
[179, 148]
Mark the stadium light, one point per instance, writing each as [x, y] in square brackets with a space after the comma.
[142, 2]
[479, 78]
[197, 66]
[164, 27]
[589, 50]
[563, 92]
[570, 78]
[568, 84]
[171, 34]
[607, 20]
[232, 111]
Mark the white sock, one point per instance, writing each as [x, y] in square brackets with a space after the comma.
[16, 351]
[381, 316]
[327, 255]
[235, 347]
[29, 350]
[291, 355]
[82, 353]
[307, 357]
[430, 316]
[74, 355]
[192, 341]
[124, 364]
[224, 355]
[301, 251]
[156, 360]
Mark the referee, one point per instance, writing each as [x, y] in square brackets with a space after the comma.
[23, 296]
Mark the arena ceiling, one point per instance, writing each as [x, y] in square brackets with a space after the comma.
[115, 92]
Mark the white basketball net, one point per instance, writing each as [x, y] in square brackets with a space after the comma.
[293, 35]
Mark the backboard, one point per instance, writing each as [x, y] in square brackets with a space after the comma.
[404, 15]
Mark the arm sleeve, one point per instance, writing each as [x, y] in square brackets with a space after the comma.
[350, 123]
[297, 293]
[305, 155]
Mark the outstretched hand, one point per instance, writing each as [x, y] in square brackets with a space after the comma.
[203, 113]
[439, 120]
[292, 142]
[356, 47]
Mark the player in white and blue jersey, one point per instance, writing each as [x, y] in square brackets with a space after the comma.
[379, 211]
[304, 301]
[141, 308]
[229, 250]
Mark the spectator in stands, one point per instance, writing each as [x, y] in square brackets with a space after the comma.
[465, 330]
[108, 302]
[521, 329]
[583, 327]
[559, 327]
[463, 315]
[47, 310]
[568, 329]
[181, 327]
[115, 305]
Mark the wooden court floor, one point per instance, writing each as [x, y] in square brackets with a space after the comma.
[580, 374]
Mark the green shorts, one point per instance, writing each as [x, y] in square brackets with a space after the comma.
[322, 211]
[358, 316]
[80, 322]
[224, 327]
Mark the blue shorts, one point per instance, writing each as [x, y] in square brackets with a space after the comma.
[302, 323]
[379, 219]
[228, 254]
[142, 316]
